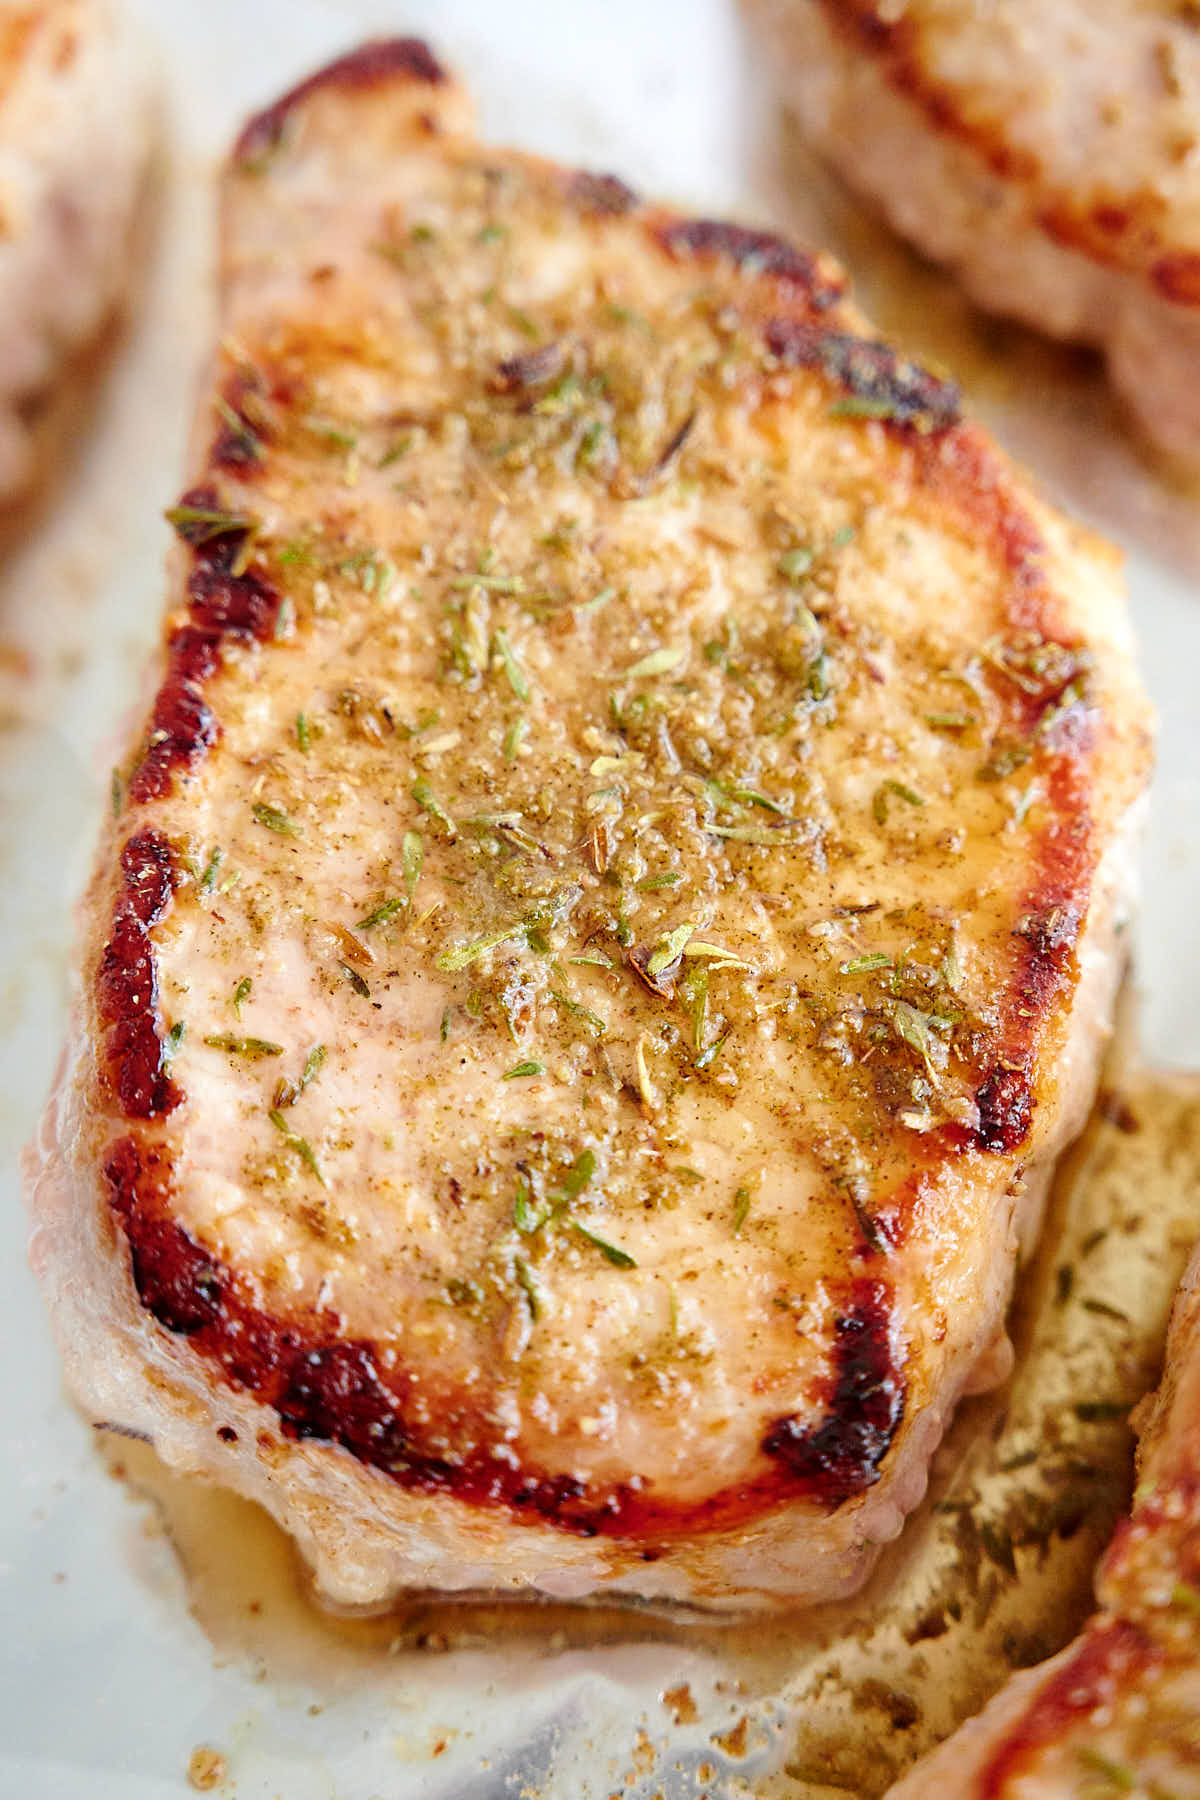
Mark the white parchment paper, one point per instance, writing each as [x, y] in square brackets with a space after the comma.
[107, 1680]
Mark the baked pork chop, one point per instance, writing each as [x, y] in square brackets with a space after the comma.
[75, 135]
[1049, 154]
[612, 912]
[1118, 1712]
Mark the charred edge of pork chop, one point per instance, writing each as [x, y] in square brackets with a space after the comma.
[967, 197]
[274, 1379]
[373, 64]
[333, 1389]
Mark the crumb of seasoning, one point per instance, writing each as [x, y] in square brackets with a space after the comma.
[680, 1702]
[207, 1768]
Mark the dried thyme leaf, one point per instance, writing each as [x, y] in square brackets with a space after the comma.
[243, 1046]
[275, 819]
[793, 565]
[412, 857]
[241, 992]
[620, 1259]
[659, 662]
[1185, 1596]
[1124, 1780]
[751, 834]
[884, 792]
[514, 737]
[709, 1056]
[522, 1069]
[288, 1092]
[949, 721]
[518, 681]
[741, 1209]
[300, 1145]
[173, 1040]
[592, 1020]
[450, 961]
[209, 876]
[862, 965]
[380, 916]
[526, 1280]
[669, 949]
[428, 801]
[199, 524]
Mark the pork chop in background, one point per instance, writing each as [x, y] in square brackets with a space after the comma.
[614, 909]
[1118, 1711]
[1049, 154]
[76, 131]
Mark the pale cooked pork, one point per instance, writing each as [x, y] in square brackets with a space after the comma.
[1050, 154]
[75, 136]
[1118, 1711]
[613, 911]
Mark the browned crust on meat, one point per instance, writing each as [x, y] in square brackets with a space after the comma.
[324, 1386]
[371, 65]
[1120, 231]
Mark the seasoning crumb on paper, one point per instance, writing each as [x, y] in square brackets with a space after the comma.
[680, 1703]
[207, 1768]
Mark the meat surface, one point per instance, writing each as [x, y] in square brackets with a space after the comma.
[1049, 154]
[614, 907]
[76, 121]
[1118, 1711]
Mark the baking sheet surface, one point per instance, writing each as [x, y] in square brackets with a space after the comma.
[108, 1680]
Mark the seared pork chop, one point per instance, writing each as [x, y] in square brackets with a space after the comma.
[613, 909]
[75, 134]
[1049, 154]
[1118, 1712]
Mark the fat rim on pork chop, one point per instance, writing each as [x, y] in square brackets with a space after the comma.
[616, 903]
